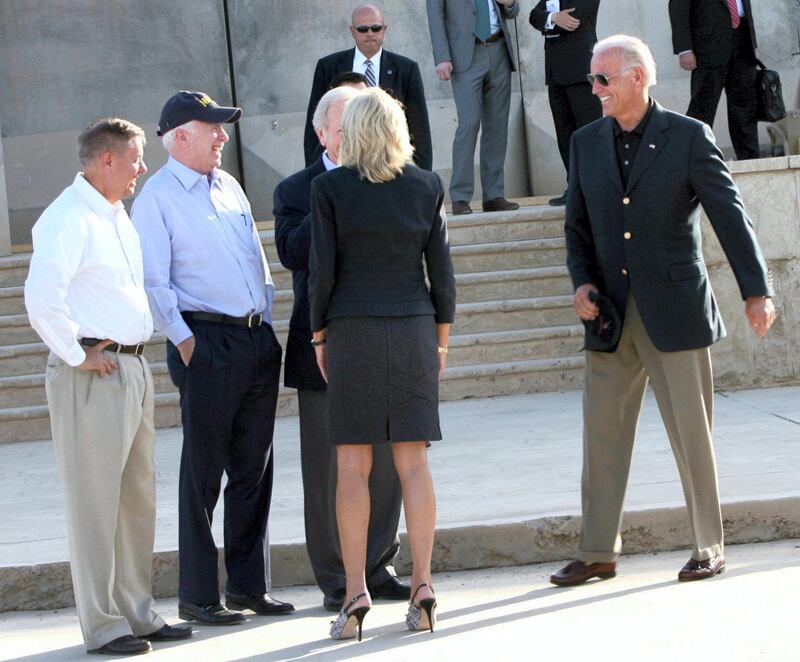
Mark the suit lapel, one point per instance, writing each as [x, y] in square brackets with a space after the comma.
[345, 62]
[386, 76]
[606, 136]
[653, 141]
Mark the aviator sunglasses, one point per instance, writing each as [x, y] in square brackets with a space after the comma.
[604, 78]
[363, 29]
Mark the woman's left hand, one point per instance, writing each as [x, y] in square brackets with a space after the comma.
[322, 360]
[442, 364]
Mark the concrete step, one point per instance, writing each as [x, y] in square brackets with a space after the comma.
[12, 300]
[14, 269]
[513, 314]
[521, 254]
[512, 346]
[513, 284]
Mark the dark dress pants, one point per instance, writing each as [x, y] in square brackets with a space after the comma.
[738, 79]
[228, 395]
[572, 106]
[318, 461]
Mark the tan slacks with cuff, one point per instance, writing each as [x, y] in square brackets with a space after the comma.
[613, 396]
[103, 434]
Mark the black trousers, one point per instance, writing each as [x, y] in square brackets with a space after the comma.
[318, 462]
[738, 78]
[228, 395]
[572, 106]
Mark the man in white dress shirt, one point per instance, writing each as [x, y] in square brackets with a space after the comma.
[85, 297]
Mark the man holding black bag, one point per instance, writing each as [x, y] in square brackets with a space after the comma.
[716, 41]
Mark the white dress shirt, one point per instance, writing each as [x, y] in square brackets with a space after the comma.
[360, 68]
[86, 278]
[494, 20]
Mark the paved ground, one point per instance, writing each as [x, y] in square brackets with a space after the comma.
[503, 459]
[747, 614]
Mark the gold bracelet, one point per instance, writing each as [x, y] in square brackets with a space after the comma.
[442, 350]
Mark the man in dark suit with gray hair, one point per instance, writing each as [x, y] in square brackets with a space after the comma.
[637, 180]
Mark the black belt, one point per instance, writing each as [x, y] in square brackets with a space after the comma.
[254, 319]
[136, 350]
[497, 36]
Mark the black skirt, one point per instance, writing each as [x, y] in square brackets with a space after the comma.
[383, 380]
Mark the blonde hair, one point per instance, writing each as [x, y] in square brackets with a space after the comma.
[375, 137]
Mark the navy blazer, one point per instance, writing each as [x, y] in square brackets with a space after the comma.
[292, 209]
[568, 54]
[399, 76]
[368, 242]
[704, 26]
[646, 237]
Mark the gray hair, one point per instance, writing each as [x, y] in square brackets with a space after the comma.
[168, 139]
[106, 135]
[320, 120]
[634, 53]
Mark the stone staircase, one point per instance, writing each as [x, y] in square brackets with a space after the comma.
[515, 330]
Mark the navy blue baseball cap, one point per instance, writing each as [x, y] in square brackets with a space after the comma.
[186, 106]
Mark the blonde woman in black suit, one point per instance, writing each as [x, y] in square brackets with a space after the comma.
[381, 333]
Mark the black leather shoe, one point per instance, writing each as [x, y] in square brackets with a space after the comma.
[391, 589]
[214, 614]
[127, 645]
[263, 605]
[499, 204]
[461, 208]
[694, 570]
[169, 633]
[334, 601]
[560, 201]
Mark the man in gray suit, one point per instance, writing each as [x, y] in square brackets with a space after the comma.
[472, 48]
[637, 179]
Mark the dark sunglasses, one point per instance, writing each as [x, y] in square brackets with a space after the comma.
[604, 78]
[363, 29]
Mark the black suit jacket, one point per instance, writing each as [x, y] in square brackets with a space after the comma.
[567, 55]
[292, 209]
[367, 246]
[678, 168]
[398, 76]
[704, 26]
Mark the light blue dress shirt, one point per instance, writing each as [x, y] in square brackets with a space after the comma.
[200, 247]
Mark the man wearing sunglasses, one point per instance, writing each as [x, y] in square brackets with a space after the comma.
[397, 75]
[569, 31]
[637, 180]
[716, 41]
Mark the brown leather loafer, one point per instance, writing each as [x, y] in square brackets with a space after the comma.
[460, 208]
[577, 572]
[125, 645]
[499, 204]
[694, 570]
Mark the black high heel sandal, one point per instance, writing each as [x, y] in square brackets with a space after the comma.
[423, 616]
[347, 623]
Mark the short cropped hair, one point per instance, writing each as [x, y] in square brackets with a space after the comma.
[320, 119]
[375, 137]
[348, 78]
[634, 52]
[106, 135]
[168, 139]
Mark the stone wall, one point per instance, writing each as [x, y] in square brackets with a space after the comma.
[771, 192]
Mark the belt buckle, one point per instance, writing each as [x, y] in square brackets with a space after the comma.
[251, 320]
[139, 349]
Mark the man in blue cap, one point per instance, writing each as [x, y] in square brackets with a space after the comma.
[210, 292]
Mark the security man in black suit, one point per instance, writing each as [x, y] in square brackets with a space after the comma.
[569, 33]
[292, 199]
[397, 75]
[637, 180]
[716, 41]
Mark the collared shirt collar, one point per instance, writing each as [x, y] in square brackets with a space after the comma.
[186, 176]
[326, 161]
[640, 127]
[96, 201]
[359, 59]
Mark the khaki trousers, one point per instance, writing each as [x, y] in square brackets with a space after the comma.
[103, 435]
[613, 395]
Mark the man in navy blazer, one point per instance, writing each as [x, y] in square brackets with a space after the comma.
[637, 180]
[397, 75]
[292, 199]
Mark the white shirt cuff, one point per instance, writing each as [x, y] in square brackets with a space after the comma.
[548, 24]
[178, 331]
